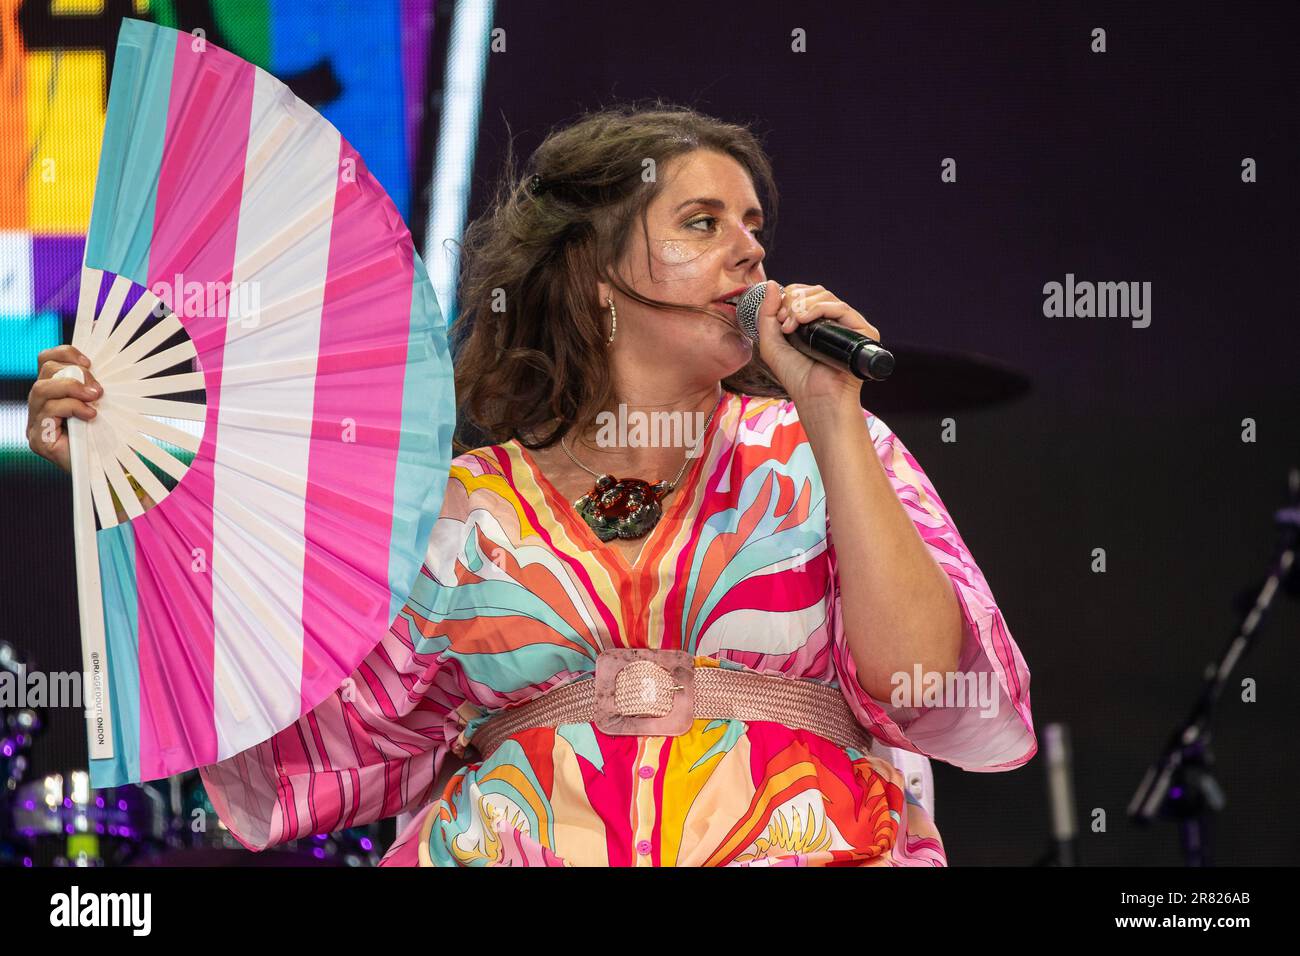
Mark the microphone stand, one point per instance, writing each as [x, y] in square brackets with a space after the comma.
[1180, 785]
[1059, 763]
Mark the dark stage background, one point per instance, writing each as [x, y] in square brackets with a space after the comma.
[1115, 166]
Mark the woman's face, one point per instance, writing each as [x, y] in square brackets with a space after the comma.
[703, 248]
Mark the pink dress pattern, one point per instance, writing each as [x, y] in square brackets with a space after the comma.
[517, 595]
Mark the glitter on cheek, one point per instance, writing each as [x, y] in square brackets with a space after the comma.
[683, 260]
[675, 252]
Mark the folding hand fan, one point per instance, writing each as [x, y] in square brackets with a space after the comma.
[242, 237]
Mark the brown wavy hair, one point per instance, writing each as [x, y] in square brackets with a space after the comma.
[529, 342]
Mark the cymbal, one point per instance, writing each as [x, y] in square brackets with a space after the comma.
[925, 380]
[934, 380]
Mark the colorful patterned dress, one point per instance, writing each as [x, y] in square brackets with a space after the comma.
[517, 595]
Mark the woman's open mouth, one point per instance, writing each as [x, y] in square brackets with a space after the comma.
[728, 302]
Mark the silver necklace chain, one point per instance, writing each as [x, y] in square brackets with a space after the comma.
[672, 484]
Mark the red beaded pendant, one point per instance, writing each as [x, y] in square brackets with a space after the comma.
[622, 507]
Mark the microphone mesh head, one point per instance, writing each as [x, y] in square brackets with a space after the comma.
[747, 309]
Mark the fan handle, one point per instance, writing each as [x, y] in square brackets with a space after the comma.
[94, 644]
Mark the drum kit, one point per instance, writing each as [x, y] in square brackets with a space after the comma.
[58, 819]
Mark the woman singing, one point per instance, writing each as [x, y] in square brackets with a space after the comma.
[649, 653]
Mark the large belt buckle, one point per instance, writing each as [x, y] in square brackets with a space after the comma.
[656, 697]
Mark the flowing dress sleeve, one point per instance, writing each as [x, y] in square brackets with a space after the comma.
[374, 748]
[988, 731]
[369, 751]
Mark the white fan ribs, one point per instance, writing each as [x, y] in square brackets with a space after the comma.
[121, 437]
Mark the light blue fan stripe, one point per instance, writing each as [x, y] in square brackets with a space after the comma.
[121, 219]
[428, 413]
[116, 547]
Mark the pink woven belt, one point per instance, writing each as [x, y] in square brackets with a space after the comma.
[644, 691]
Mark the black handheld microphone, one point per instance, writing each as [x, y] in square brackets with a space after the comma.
[822, 339]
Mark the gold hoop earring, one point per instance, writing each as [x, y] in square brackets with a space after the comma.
[613, 316]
